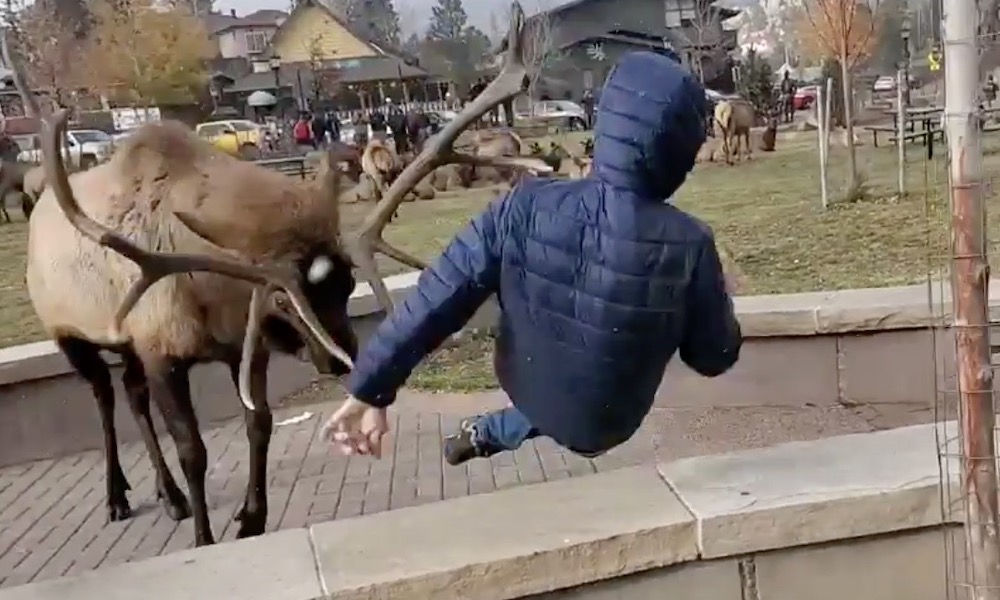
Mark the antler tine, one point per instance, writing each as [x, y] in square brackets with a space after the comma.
[512, 80]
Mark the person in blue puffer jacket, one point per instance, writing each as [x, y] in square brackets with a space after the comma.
[600, 281]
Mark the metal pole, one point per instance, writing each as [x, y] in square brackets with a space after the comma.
[901, 129]
[970, 281]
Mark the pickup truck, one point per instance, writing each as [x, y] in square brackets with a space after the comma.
[87, 147]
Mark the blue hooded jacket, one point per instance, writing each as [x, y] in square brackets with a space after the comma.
[600, 280]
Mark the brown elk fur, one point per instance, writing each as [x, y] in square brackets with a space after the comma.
[380, 164]
[166, 190]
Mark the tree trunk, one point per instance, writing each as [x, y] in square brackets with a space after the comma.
[852, 162]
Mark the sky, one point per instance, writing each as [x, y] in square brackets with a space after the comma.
[414, 14]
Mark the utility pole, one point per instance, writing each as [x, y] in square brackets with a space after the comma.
[970, 276]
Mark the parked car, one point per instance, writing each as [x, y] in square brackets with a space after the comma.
[805, 97]
[885, 83]
[237, 137]
[566, 111]
[87, 147]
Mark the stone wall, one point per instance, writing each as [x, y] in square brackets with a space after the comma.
[857, 517]
[850, 347]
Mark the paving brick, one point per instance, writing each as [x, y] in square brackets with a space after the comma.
[53, 521]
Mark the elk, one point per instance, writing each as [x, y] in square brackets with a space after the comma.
[26, 179]
[381, 165]
[171, 254]
[734, 118]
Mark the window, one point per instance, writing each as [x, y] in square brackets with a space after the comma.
[210, 131]
[256, 42]
[243, 126]
[88, 135]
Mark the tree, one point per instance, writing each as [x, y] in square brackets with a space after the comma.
[453, 47]
[48, 45]
[377, 20]
[540, 52]
[323, 81]
[140, 53]
[844, 30]
[707, 28]
[756, 82]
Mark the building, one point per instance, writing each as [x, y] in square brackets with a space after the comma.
[584, 39]
[244, 37]
[315, 56]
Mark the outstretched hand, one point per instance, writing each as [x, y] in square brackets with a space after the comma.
[357, 428]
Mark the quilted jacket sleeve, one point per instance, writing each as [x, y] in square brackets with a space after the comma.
[447, 295]
[712, 337]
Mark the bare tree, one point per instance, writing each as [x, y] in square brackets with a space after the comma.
[540, 49]
[844, 30]
[324, 80]
[706, 41]
[47, 46]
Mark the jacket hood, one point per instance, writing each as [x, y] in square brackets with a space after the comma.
[650, 125]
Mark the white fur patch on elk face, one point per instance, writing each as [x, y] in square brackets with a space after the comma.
[320, 269]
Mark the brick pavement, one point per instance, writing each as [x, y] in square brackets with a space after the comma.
[53, 517]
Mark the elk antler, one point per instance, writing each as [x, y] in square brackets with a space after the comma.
[439, 150]
[154, 266]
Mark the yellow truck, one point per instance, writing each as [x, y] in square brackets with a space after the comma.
[237, 137]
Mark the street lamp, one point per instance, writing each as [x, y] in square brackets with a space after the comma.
[276, 69]
[904, 32]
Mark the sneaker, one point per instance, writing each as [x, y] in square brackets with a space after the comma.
[461, 447]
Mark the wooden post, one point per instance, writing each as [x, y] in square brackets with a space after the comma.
[970, 287]
[821, 125]
[900, 130]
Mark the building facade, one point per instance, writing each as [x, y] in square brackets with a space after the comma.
[584, 39]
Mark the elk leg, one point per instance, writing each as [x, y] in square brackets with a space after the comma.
[85, 358]
[174, 501]
[170, 388]
[259, 426]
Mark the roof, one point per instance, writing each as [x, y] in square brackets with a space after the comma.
[216, 23]
[335, 11]
[355, 70]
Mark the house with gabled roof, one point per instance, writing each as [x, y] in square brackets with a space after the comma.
[585, 38]
[315, 40]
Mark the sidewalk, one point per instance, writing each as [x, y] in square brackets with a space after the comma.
[53, 517]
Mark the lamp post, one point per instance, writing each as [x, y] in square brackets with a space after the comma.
[904, 32]
[276, 69]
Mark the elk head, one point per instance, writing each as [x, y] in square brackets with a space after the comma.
[296, 272]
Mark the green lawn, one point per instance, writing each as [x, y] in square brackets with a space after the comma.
[766, 214]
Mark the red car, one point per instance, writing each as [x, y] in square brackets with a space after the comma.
[804, 97]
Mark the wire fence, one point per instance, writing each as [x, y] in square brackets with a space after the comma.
[965, 358]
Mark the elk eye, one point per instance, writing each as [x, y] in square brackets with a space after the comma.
[319, 269]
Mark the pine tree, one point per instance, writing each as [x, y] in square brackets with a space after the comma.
[376, 20]
[448, 21]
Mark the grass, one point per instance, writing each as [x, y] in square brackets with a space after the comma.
[766, 215]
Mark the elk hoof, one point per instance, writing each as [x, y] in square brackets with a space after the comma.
[118, 510]
[175, 504]
[251, 523]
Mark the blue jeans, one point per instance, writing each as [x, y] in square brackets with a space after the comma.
[503, 429]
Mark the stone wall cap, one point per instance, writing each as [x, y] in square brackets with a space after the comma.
[811, 492]
[278, 566]
[512, 543]
[543, 537]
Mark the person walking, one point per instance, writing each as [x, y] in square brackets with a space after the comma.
[602, 281]
[302, 133]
